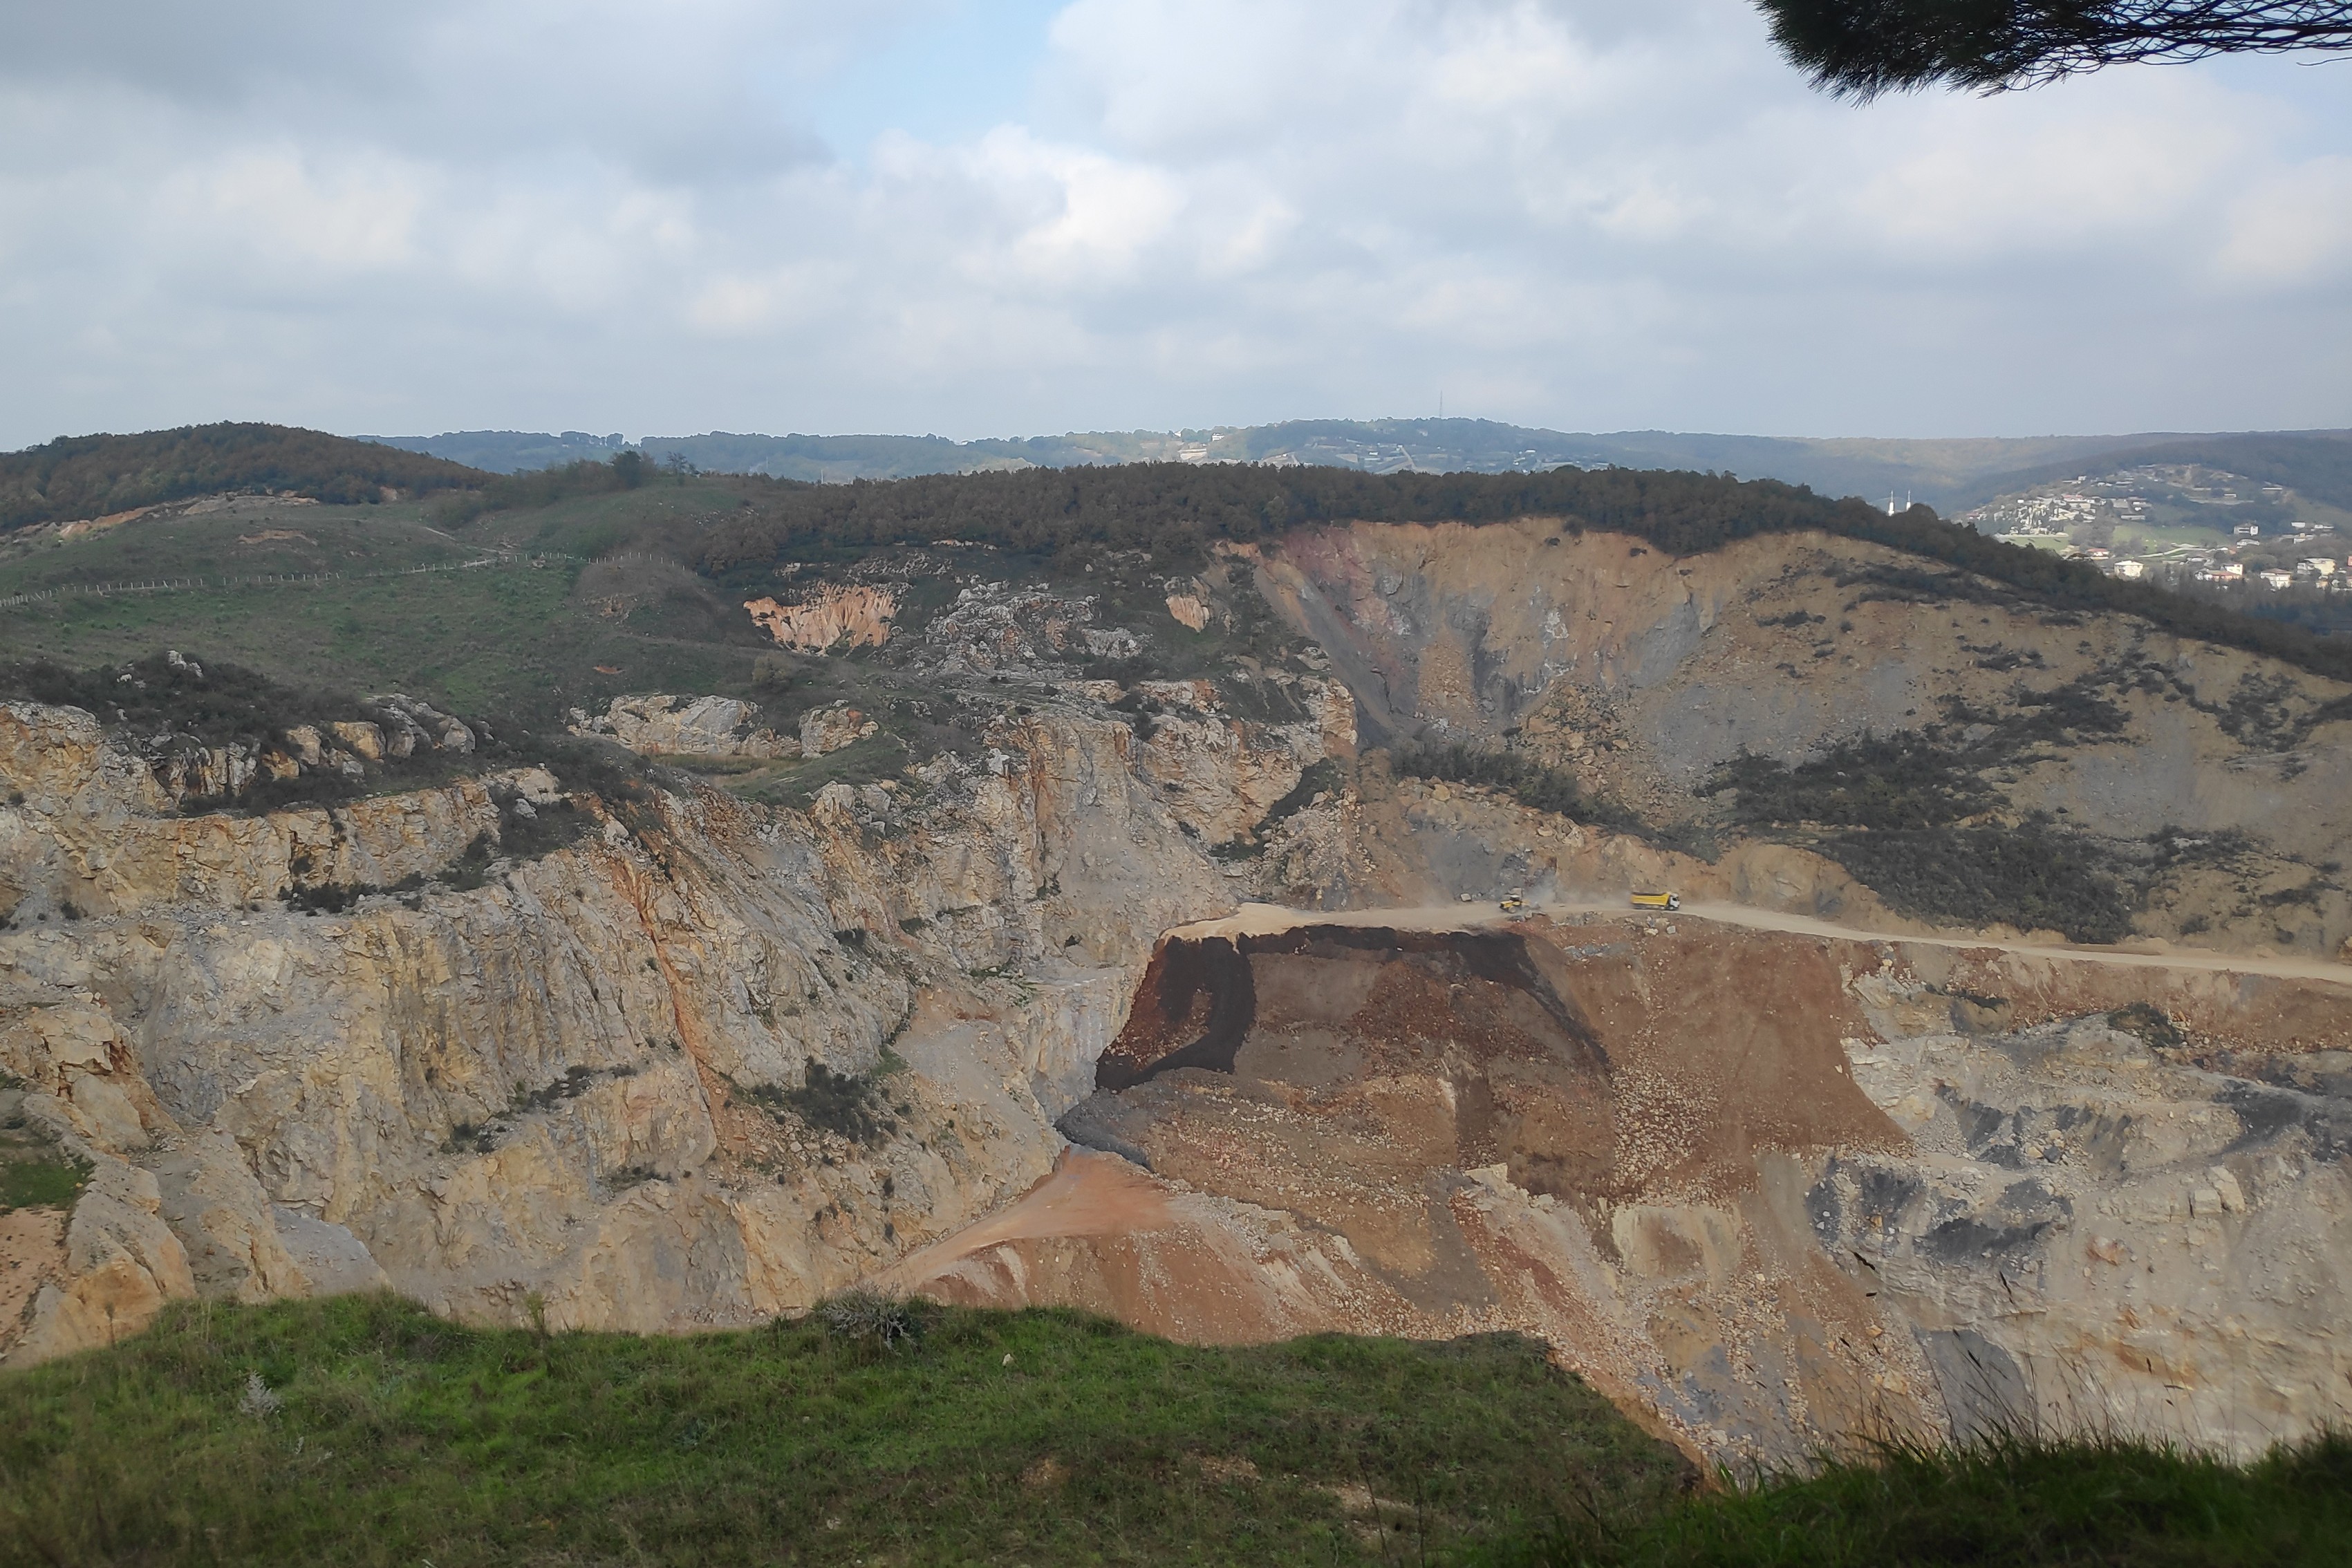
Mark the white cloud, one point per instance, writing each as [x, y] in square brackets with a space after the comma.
[2291, 228]
[1565, 212]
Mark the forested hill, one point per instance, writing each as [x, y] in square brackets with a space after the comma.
[92, 476]
[1183, 510]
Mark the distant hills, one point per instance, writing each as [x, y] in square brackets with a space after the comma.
[1945, 474]
[90, 476]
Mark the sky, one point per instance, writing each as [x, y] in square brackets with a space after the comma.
[1031, 216]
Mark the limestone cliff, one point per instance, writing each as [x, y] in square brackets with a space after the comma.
[568, 1076]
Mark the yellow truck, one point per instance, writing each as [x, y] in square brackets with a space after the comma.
[1657, 901]
[1514, 902]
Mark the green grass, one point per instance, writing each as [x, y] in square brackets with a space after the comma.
[40, 1183]
[2012, 1501]
[31, 1173]
[510, 640]
[1037, 1437]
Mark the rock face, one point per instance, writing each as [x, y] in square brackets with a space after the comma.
[834, 616]
[659, 726]
[1004, 628]
[567, 1075]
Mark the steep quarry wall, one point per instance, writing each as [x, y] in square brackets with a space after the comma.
[1776, 1192]
[565, 1076]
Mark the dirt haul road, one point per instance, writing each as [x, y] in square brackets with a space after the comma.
[1266, 920]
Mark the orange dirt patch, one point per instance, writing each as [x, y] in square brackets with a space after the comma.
[32, 1254]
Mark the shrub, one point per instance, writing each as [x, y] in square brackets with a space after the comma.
[848, 1105]
[526, 832]
[1898, 781]
[1529, 782]
[864, 1316]
[1318, 777]
[2154, 1028]
[2032, 876]
[471, 868]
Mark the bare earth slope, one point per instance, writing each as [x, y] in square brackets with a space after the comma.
[1640, 675]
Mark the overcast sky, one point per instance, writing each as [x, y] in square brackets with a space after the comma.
[1025, 216]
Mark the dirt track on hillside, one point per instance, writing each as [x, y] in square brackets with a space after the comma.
[1266, 920]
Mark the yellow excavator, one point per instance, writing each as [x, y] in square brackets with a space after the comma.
[1657, 901]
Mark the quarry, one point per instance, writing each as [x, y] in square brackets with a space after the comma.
[1176, 986]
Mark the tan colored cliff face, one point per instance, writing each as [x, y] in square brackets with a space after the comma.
[828, 617]
[1766, 1189]
[542, 1086]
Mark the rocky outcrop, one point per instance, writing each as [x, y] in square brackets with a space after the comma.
[833, 615]
[662, 726]
[834, 728]
[1004, 628]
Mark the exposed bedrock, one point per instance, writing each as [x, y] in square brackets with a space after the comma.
[1638, 672]
[700, 1063]
[1773, 1191]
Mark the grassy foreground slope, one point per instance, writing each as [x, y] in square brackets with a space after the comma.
[376, 1433]
[365, 1430]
